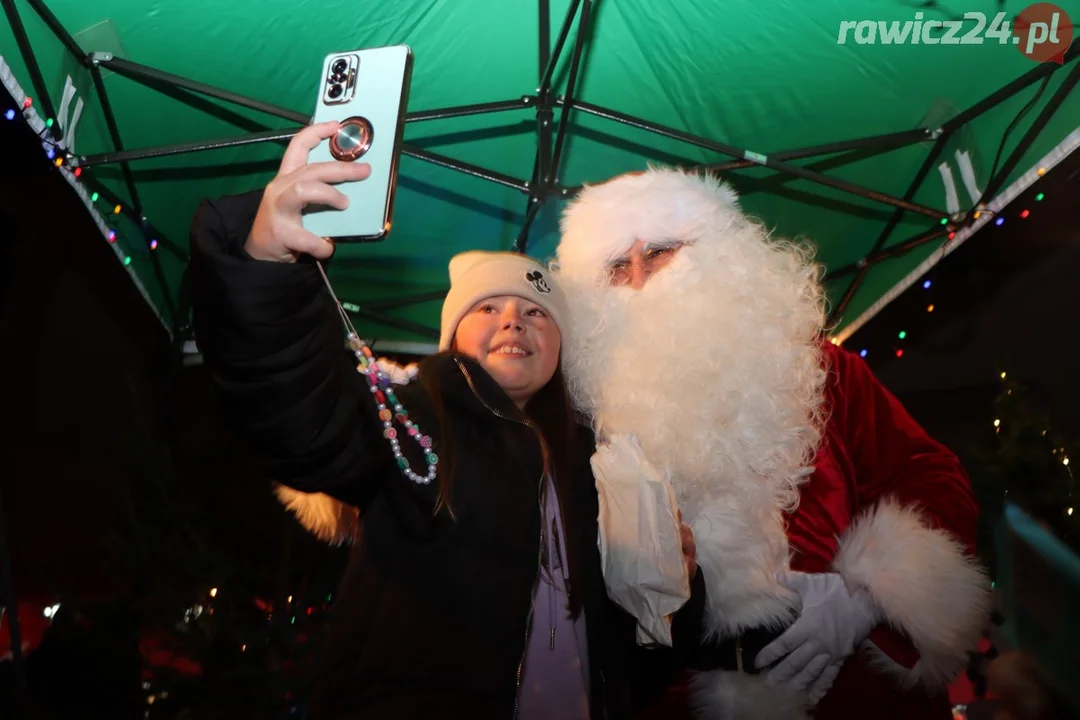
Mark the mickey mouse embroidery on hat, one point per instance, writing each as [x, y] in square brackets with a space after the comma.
[537, 279]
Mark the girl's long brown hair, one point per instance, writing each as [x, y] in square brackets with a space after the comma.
[551, 411]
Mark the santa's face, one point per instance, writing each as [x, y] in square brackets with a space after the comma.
[639, 264]
[707, 352]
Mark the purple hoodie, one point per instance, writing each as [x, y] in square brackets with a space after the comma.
[554, 681]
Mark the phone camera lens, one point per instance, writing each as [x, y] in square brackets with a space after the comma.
[339, 67]
[335, 91]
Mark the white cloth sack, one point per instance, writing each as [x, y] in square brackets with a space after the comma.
[640, 546]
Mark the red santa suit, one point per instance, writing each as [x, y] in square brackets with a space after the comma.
[783, 449]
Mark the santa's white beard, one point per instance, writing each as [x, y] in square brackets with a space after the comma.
[714, 366]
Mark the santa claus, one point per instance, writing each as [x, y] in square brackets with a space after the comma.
[835, 536]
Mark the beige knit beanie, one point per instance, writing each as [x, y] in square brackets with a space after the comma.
[476, 274]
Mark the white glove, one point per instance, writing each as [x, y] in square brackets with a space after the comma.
[832, 624]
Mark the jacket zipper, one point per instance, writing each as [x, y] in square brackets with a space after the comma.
[540, 550]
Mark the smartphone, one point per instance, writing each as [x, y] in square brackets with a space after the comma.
[367, 91]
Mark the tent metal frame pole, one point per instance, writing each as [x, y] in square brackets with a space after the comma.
[568, 104]
[1037, 126]
[114, 133]
[759, 159]
[546, 61]
[32, 67]
[58, 30]
[550, 58]
[892, 251]
[138, 72]
[486, 108]
[542, 184]
[862, 267]
[888, 141]
[112, 198]
[545, 112]
[911, 243]
[133, 193]
[282, 136]
[1007, 91]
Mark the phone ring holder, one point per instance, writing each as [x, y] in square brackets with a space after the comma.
[352, 140]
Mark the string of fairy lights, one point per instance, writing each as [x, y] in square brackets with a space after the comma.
[1057, 450]
[109, 211]
[1056, 446]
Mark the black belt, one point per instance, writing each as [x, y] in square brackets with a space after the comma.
[737, 653]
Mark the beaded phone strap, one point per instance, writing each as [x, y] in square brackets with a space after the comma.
[382, 388]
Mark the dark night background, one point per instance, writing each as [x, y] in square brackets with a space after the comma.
[118, 473]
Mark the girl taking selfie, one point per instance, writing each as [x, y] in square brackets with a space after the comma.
[474, 588]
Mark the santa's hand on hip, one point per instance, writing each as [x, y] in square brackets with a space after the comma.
[832, 623]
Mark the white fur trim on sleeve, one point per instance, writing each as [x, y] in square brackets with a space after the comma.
[327, 518]
[926, 585]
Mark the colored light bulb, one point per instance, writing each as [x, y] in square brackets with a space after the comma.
[1039, 197]
[10, 114]
[926, 285]
[153, 244]
[903, 334]
[94, 197]
[862, 353]
[1024, 214]
[999, 221]
[127, 260]
[899, 353]
[930, 308]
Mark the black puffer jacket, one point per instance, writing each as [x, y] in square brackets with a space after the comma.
[431, 616]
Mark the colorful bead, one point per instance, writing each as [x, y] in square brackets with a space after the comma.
[382, 388]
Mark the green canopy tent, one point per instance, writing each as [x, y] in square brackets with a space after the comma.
[857, 125]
